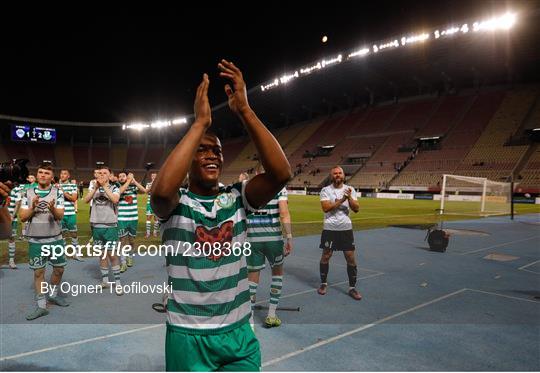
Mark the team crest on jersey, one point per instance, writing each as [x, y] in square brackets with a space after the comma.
[225, 200]
[128, 199]
[220, 235]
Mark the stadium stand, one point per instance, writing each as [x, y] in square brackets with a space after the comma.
[377, 145]
[64, 156]
[39, 153]
[489, 156]
[118, 157]
[81, 155]
[529, 177]
[99, 153]
[135, 156]
[471, 116]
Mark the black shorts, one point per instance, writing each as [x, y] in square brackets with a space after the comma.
[337, 240]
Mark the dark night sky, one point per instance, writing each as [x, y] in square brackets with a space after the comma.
[84, 65]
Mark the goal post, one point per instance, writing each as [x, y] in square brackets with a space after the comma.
[479, 196]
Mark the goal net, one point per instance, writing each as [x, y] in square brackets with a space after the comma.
[465, 195]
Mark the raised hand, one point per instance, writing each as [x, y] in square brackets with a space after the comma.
[5, 189]
[51, 205]
[203, 113]
[237, 95]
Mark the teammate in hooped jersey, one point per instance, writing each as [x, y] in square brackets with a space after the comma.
[128, 214]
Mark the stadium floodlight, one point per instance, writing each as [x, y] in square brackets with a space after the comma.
[286, 78]
[138, 126]
[331, 61]
[450, 31]
[507, 21]
[179, 121]
[275, 83]
[309, 69]
[390, 44]
[360, 52]
[414, 38]
[160, 124]
[503, 22]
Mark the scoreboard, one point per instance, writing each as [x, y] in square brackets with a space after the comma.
[28, 133]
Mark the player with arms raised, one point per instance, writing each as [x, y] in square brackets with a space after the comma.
[209, 308]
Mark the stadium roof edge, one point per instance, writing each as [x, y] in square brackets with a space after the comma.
[58, 122]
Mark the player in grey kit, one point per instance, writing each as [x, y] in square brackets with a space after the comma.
[337, 235]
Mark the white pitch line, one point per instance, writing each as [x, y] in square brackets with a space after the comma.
[153, 326]
[528, 265]
[531, 271]
[504, 295]
[76, 343]
[357, 330]
[499, 245]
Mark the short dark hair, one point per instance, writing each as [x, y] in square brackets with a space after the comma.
[65, 169]
[103, 167]
[46, 166]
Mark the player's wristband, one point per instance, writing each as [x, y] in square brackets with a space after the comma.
[289, 236]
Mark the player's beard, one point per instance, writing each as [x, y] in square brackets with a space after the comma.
[338, 181]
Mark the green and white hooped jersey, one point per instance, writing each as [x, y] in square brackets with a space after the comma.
[210, 294]
[69, 207]
[14, 196]
[264, 224]
[148, 186]
[127, 207]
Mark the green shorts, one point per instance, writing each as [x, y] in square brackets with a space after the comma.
[103, 235]
[236, 350]
[69, 223]
[37, 260]
[149, 210]
[272, 251]
[126, 228]
[14, 228]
